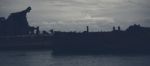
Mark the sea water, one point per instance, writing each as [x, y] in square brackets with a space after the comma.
[46, 58]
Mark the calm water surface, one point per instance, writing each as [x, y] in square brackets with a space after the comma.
[45, 58]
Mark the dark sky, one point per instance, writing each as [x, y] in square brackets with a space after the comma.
[70, 15]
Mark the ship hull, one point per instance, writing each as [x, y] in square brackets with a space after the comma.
[120, 42]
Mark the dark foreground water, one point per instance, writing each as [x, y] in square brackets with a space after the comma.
[45, 58]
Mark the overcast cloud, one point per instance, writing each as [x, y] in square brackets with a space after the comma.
[70, 15]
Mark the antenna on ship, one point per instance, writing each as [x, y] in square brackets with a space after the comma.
[87, 29]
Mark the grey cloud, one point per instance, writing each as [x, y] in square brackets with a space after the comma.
[72, 14]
